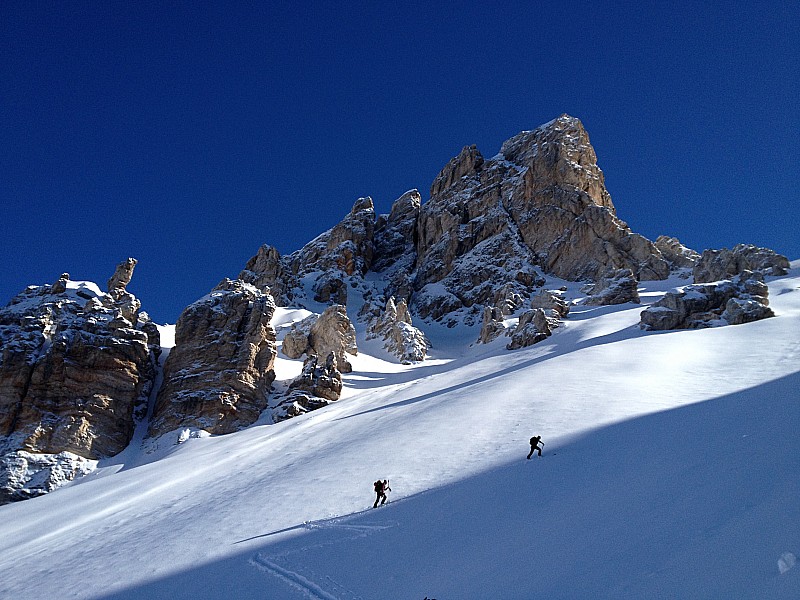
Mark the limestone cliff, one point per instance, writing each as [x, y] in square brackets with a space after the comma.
[218, 375]
[75, 365]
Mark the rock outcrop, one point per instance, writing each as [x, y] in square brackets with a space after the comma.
[334, 333]
[742, 300]
[320, 335]
[266, 272]
[675, 253]
[616, 288]
[320, 379]
[330, 262]
[395, 234]
[399, 335]
[534, 326]
[552, 302]
[319, 384]
[542, 201]
[296, 341]
[564, 211]
[492, 325]
[218, 375]
[715, 265]
[122, 276]
[25, 475]
[75, 365]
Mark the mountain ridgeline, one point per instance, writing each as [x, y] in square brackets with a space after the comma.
[80, 370]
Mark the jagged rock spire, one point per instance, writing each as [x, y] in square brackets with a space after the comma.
[122, 276]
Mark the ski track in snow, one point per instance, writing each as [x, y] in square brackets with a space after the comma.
[307, 583]
[292, 579]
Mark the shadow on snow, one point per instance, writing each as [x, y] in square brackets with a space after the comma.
[694, 502]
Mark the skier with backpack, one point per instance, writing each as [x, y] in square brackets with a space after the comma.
[381, 487]
[535, 441]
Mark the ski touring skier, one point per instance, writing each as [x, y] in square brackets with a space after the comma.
[535, 441]
[381, 487]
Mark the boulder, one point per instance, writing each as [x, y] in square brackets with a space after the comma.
[508, 299]
[25, 475]
[320, 379]
[742, 300]
[553, 303]
[296, 403]
[493, 324]
[618, 287]
[533, 327]
[322, 334]
[318, 385]
[295, 342]
[745, 310]
[333, 332]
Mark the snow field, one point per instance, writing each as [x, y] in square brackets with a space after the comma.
[669, 472]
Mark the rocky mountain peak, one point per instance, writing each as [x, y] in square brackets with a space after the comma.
[265, 271]
[363, 204]
[559, 153]
[539, 206]
[486, 238]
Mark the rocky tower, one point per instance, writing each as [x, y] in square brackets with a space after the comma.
[218, 375]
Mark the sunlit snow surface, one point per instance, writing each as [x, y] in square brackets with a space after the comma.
[670, 471]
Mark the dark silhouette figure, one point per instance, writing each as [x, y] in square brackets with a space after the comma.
[535, 441]
[380, 490]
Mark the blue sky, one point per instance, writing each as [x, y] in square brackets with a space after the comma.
[188, 134]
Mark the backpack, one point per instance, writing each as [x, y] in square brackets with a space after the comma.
[535, 440]
[379, 486]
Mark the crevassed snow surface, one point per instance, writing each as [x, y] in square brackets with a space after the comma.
[670, 471]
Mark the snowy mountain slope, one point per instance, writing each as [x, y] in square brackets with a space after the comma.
[670, 471]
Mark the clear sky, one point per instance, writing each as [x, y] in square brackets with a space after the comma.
[187, 134]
